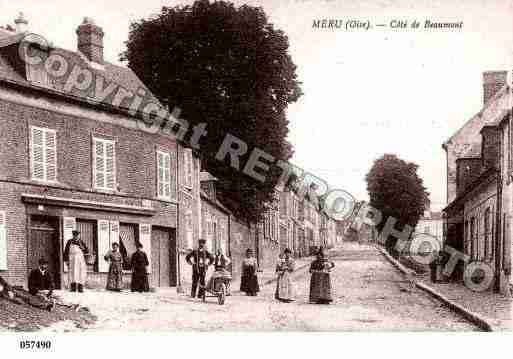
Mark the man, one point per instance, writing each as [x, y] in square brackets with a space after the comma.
[199, 267]
[74, 257]
[40, 281]
[40, 284]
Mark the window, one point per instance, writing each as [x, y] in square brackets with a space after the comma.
[88, 234]
[38, 75]
[43, 154]
[104, 164]
[283, 204]
[3, 241]
[472, 236]
[487, 236]
[127, 242]
[164, 175]
[188, 168]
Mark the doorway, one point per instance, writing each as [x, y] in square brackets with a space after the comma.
[163, 257]
[44, 243]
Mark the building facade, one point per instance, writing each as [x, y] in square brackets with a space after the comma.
[478, 216]
[70, 161]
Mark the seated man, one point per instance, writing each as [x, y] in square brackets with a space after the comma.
[40, 284]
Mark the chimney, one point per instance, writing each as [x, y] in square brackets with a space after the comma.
[21, 23]
[493, 81]
[90, 40]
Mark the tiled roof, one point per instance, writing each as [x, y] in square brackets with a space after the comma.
[111, 73]
[492, 113]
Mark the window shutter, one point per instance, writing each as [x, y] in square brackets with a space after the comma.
[110, 165]
[37, 154]
[51, 155]
[160, 174]
[172, 176]
[167, 175]
[103, 244]
[3, 241]
[98, 164]
[145, 240]
[69, 224]
[188, 167]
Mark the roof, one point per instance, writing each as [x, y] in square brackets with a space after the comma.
[108, 73]
[485, 176]
[491, 113]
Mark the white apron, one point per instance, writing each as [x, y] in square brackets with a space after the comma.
[77, 265]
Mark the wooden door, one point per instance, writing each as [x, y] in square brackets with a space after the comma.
[163, 257]
[44, 243]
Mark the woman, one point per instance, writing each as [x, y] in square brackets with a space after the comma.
[138, 264]
[284, 287]
[115, 276]
[320, 282]
[249, 279]
[221, 263]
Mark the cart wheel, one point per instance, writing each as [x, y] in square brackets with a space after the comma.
[222, 294]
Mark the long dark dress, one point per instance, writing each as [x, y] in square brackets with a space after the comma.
[139, 272]
[320, 283]
[249, 279]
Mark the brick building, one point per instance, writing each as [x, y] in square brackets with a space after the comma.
[71, 159]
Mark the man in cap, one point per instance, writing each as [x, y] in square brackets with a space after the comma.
[40, 280]
[74, 257]
[200, 259]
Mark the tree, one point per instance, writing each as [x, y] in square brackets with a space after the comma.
[397, 191]
[229, 67]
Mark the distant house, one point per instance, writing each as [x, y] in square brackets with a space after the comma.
[431, 223]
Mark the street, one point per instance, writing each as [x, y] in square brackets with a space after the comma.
[370, 295]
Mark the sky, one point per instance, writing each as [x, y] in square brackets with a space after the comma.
[366, 92]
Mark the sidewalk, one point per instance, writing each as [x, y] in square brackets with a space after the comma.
[494, 307]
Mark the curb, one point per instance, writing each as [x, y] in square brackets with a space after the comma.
[475, 318]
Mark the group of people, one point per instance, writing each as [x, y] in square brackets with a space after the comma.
[76, 251]
[41, 283]
[320, 268]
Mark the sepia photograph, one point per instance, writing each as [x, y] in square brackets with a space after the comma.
[245, 170]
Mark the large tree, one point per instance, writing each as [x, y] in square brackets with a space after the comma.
[229, 67]
[397, 191]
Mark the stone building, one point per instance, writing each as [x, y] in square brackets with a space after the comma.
[74, 156]
[479, 184]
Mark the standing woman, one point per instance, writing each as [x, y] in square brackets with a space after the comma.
[249, 279]
[139, 263]
[115, 276]
[320, 282]
[284, 286]
[74, 257]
